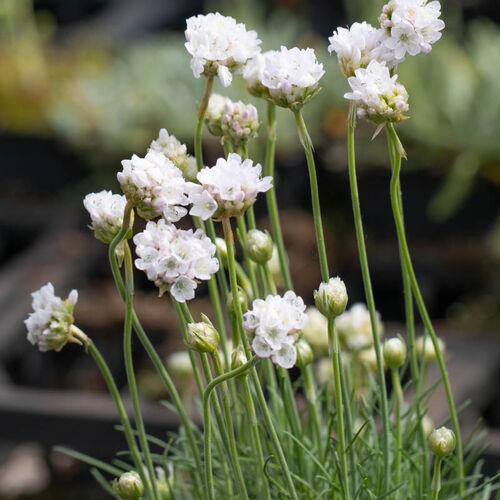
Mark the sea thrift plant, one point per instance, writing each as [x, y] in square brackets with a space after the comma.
[273, 399]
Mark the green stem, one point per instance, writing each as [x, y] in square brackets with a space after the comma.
[358, 223]
[248, 263]
[312, 401]
[272, 203]
[318, 224]
[422, 308]
[129, 368]
[398, 402]
[436, 478]
[229, 238]
[198, 151]
[334, 353]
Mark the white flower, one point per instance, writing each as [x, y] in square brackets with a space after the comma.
[213, 115]
[219, 45]
[356, 46]
[49, 325]
[228, 189]
[412, 26]
[292, 76]
[274, 324]
[106, 213]
[253, 73]
[355, 329]
[379, 98]
[174, 259]
[173, 149]
[240, 122]
[155, 186]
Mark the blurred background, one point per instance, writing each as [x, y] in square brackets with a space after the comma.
[87, 83]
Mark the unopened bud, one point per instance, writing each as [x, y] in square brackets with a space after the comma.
[331, 298]
[238, 358]
[259, 246]
[394, 353]
[129, 486]
[221, 248]
[202, 337]
[242, 296]
[442, 442]
[368, 357]
[424, 347]
[305, 354]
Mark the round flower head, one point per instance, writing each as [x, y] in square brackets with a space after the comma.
[50, 324]
[228, 189]
[239, 122]
[378, 97]
[173, 150]
[155, 186]
[355, 329]
[292, 76]
[442, 442]
[331, 297]
[106, 213]
[274, 324]
[356, 46]
[174, 259]
[129, 486]
[219, 45]
[411, 26]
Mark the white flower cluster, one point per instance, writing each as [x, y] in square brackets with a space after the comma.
[155, 186]
[240, 122]
[106, 213]
[49, 325]
[253, 73]
[378, 96]
[176, 152]
[291, 76]
[412, 26]
[355, 329]
[274, 324]
[219, 45]
[175, 259]
[228, 189]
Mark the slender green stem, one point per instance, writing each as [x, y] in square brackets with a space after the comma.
[436, 478]
[422, 308]
[198, 151]
[272, 203]
[129, 368]
[398, 402]
[229, 238]
[334, 353]
[358, 223]
[318, 223]
[115, 393]
[248, 263]
[312, 401]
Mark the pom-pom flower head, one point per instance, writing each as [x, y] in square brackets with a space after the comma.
[377, 94]
[155, 186]
[292, 76]
[106, 213]
[274, 324]
[174, 259]
[219, 46]
[228, 189]
[356, 47]
[50, 325]
[239, 122]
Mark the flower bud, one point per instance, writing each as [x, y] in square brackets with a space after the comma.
[129, 486]
[442, 442]
[238, 358]
[179, 364]
[259, 246]
[202, 337]
[243, 301]
[331, 298]
[394, 353]
[213, 115]
[220, 243]
[368, 358]
[305, 354]
[424, 347]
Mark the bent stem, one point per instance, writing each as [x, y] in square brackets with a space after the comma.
[272, 203]
[365, 271]
[421, 305]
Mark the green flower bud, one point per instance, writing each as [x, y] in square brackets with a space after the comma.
[305, 354]
[424, 347]
[394, 353]
[259, 246]
[243, 301]
[238, 358]
[221, 248]
[203, 337]
[442, 442]
[129, 486]
[331, 298]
